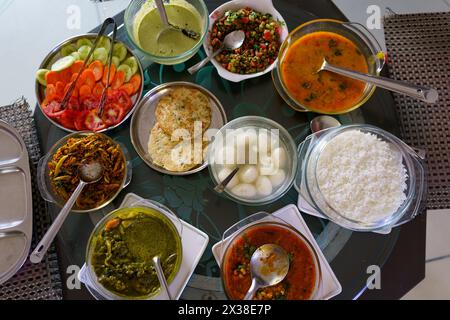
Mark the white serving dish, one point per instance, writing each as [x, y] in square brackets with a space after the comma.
[263, 6]
[194, 243]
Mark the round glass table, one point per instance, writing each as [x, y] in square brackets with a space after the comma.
[192, 197]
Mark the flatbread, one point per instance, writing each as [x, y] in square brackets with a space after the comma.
[181, 108]
[177, 156]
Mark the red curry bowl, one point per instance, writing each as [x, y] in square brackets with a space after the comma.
[303, 280]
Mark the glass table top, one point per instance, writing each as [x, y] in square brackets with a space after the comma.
[192, 197]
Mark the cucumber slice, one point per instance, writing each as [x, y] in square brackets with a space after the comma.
[128, 72]
[40, 76]
[76, 55]
[104, 42]
[101, 54]
[63, 63]
[84, 42]
[67, 50]
[84, 51]
[132, 63]
[120, 51]
[115, 61]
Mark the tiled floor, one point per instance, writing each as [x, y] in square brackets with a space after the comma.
[437, 273]
[437, 279]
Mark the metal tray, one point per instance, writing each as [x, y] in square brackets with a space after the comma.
[16, 207]
[144, 119]
[54, 55]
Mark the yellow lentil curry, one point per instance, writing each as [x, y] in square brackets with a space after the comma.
[324, 92]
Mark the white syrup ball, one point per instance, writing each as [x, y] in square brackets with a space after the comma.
[244, 190]
[263, 186]
[248, 174]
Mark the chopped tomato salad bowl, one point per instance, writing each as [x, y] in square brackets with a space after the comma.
[62, 66]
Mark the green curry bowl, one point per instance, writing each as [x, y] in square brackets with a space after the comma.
[144, 29]
[121, 248]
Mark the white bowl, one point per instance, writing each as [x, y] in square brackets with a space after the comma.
[263, 6]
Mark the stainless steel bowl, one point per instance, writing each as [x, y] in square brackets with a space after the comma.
[144, 119]
[54, 55]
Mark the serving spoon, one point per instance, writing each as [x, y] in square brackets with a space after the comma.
[88, 172]
[269, 265]
[232, 41]
[168, 27]
[428, 95]
[221, 186]
[161, 277]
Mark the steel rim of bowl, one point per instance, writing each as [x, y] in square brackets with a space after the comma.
[242, 77]
[135, 140]
[61, 142]
[283, 224]
[277, 78]
[294, 160]
[98, 287]
[55, 51]
[169, 60]
[349, 223]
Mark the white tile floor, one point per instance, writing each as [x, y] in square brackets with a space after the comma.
[30, 28]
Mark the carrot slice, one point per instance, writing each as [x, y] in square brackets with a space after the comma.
[88, 78]
[50, 90]
[112, 74]
[98, 90]
[65, 75]
[77, 66]
[85, 90]
[97, 68]
[136, 82]
[52, 77]
[60, 88]
[128, 88]
[119, 79]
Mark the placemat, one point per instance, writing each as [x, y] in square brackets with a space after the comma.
[418, 52]
[33, 281]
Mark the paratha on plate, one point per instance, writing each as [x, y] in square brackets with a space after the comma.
[177, 156]
[181, 108]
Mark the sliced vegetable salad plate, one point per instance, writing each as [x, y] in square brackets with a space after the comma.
[62, 66]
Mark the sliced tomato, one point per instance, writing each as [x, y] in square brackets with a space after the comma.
[113, 114]
[93, 121]
[67, 118]
[53, 109]
[90, 103]
[122, 98]
[73, 104]
[79, 120]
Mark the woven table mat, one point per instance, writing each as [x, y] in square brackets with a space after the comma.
[418, 51]
[33, 281]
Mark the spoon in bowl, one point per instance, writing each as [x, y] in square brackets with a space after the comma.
[269, 266]
[168, 27]
[221, 186]
[425, 94]
[232, 41]
[161, 277]
[88, 172]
